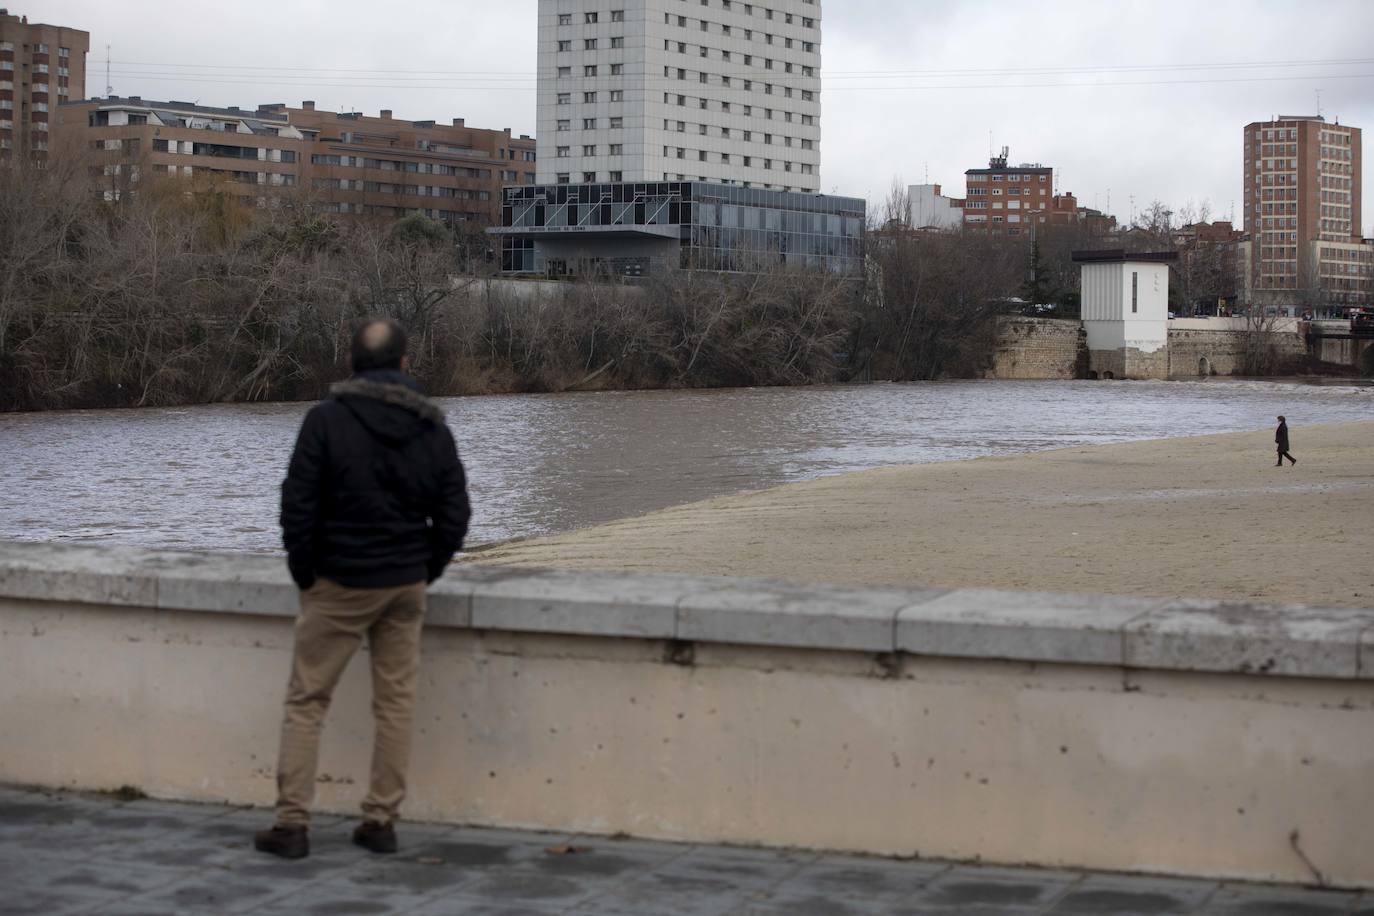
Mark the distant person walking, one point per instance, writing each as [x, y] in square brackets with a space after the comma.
[373, 508]
[1281, 440]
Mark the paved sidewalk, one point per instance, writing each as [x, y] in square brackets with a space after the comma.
[62, 853]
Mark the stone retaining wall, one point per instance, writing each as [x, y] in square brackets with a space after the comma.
[1224, 351]
[1037, 348]
[1132, 734]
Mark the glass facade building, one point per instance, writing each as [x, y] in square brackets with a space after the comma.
[633, 228]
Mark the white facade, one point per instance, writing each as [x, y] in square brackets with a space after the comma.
[655, 90]
[1126, 305]
[927, 208]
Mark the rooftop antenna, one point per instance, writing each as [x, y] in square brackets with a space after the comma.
[1319, 103]
[109, 89]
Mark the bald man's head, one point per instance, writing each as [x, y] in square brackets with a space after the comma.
[379, 344]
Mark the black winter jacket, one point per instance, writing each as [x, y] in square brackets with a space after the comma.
[375, 496]
[1281, 437]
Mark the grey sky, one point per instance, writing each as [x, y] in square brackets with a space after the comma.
[1176, 138]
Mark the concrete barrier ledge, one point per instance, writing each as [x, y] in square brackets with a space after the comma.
[1252, 639]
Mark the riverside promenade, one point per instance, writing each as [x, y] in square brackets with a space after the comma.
[64, 853]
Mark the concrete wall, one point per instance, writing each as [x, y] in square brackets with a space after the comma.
[1175, 737]
[1344, 352]
[1037, 348]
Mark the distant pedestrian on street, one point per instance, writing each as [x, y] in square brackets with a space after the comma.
[1281, 440]
[373, 508]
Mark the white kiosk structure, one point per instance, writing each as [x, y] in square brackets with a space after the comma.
[1126, 313]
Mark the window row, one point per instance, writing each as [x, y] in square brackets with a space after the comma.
[749, 162]
[748, 136]
[681, 47]
[724, 28]
[391, 165]
[682, 73]
[1013, 179]
[382, 187]
[565, 178]
[1011, 192]
[769, 114]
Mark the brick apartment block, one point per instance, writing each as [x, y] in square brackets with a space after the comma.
[41, 66]
[339, 162]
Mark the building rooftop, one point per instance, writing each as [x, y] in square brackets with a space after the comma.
[115, 102]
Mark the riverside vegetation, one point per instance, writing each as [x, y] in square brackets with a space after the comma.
[180, 294]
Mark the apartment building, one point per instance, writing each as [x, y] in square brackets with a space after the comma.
[339, 162]
[383, 166]
[1065, 211]
[929, 208]
[1302, 213]
[1006, 198]
[717, 91]
[41, 66]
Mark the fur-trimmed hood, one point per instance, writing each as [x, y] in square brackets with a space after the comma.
[388, 404]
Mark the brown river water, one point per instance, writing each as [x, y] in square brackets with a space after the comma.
[209, 477]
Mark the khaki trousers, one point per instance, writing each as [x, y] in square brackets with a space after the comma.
[329, 630]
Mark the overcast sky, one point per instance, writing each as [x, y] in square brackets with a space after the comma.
[913, 88]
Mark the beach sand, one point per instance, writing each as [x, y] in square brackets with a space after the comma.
[1208, 517]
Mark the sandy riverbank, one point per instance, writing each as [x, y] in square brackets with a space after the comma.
[1207, 517]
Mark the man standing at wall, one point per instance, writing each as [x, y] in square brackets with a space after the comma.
[373, 508]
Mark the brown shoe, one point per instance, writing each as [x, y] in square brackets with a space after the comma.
[287, 842]
[375, 837]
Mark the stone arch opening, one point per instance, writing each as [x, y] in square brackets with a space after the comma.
[1092, 375]
[1109, 376]
[1204, 367]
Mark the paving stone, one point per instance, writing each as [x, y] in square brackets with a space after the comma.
[666, 895]
[733, 868]
[342, 898]
[32, 903]
[479, 850]
[213, 891]
[1030, 626]
[1255, 900]
[94, 879]
[1128, 896]
[815, 905]
[418, 876]
[837, 877]
[600, 863]
[508, 885]
[968, 909]
[68, 856]
[469, 906]
[994, 887]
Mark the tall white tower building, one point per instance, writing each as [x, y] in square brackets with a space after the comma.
[680, 90]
